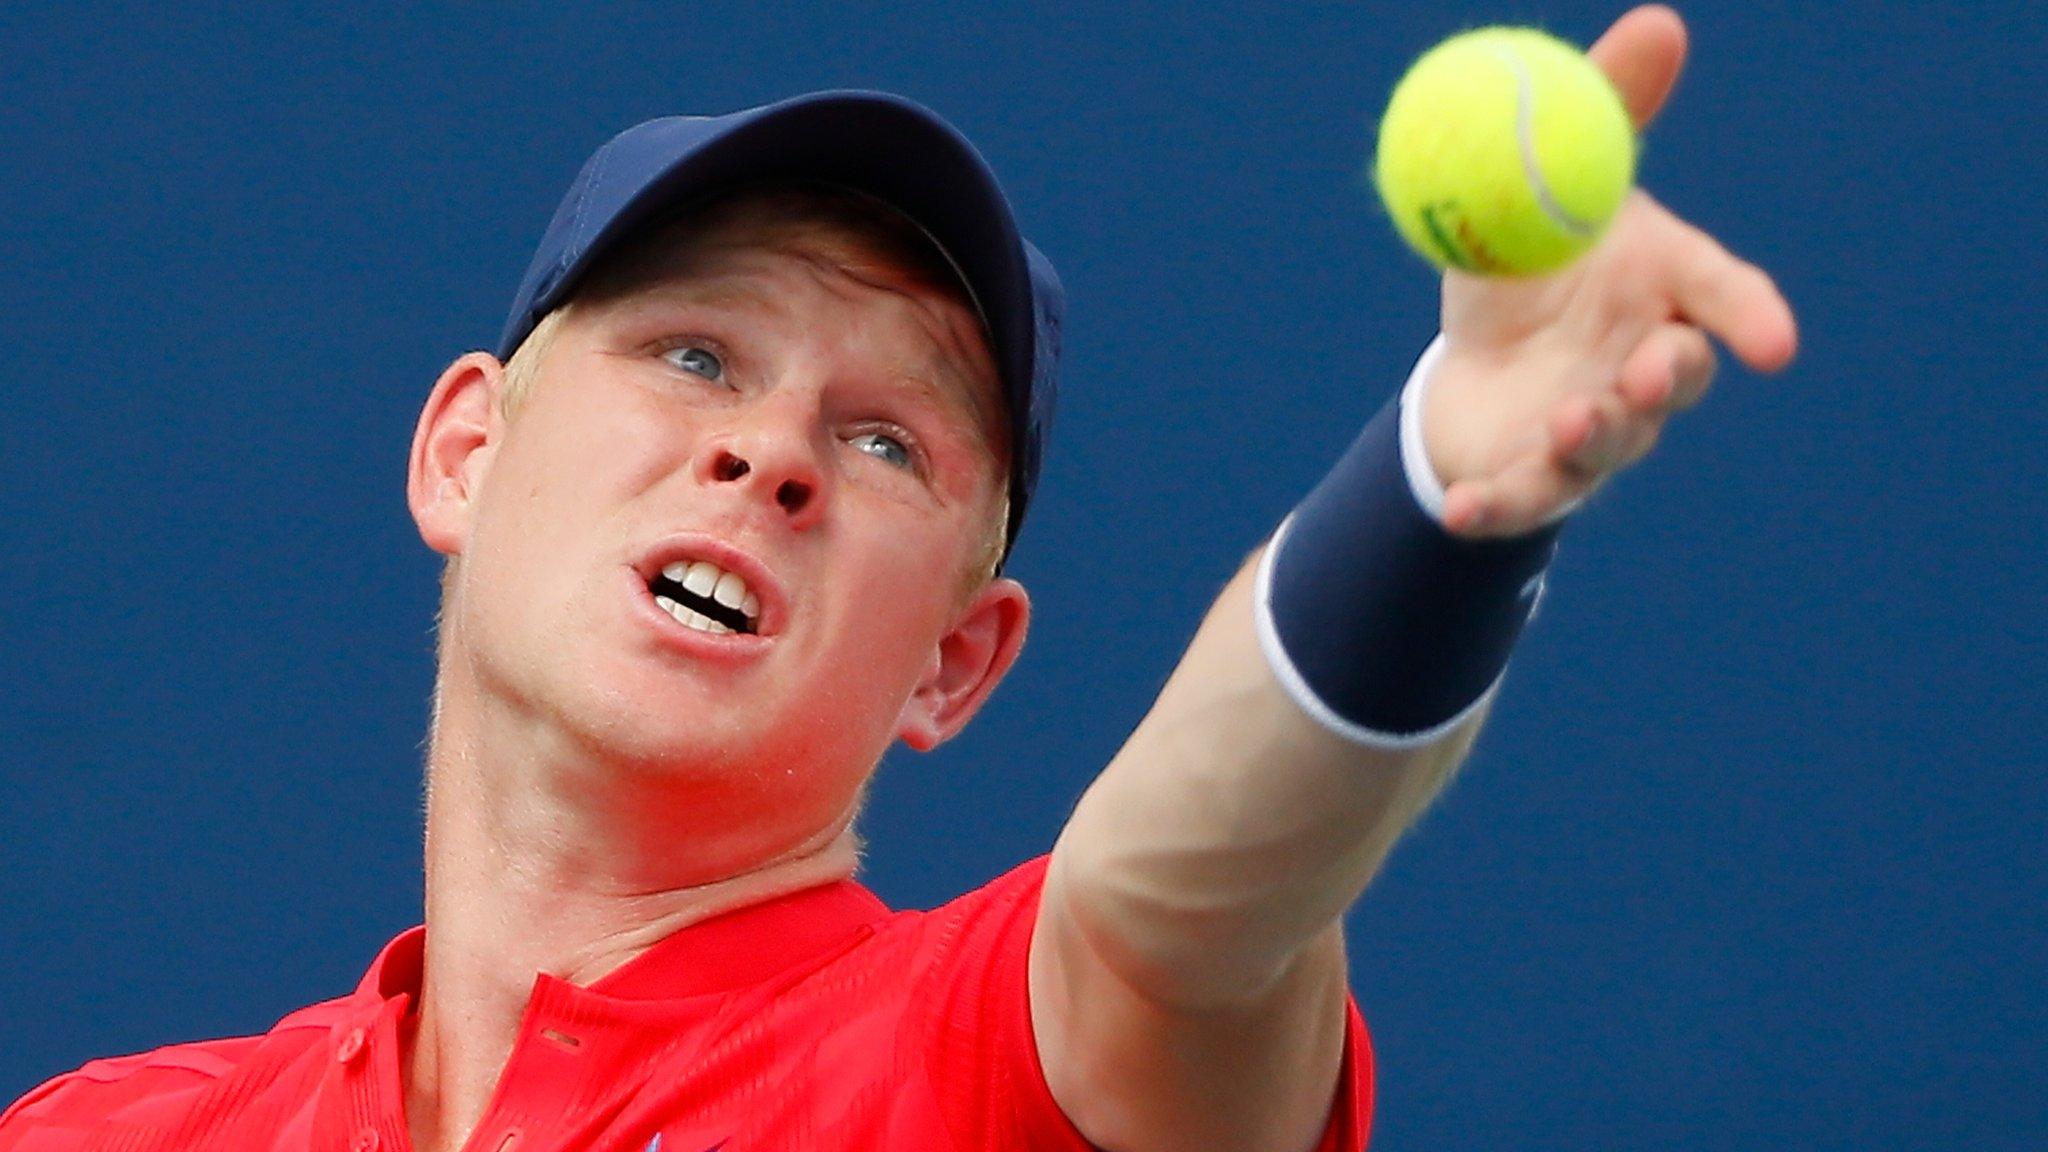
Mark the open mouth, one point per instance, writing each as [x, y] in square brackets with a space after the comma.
[701, 595]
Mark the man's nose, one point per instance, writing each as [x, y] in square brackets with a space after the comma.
[771, 452]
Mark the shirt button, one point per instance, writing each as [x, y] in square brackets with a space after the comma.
[351, 1045]
[366, 1141]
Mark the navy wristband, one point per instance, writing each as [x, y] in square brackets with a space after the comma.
[1382, 625]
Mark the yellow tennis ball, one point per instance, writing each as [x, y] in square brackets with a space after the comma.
[1504, 151]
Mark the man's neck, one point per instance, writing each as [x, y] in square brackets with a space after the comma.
[526, 876]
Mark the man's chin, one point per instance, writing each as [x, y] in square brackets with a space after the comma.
[713, 744]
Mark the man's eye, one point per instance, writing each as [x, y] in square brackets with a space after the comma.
[884, 446]
[697, 361]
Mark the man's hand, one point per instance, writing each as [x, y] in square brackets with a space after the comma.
[1549, 385]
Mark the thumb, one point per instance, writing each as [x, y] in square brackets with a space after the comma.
[1642, 53]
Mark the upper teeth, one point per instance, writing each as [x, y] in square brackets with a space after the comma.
[704, 578]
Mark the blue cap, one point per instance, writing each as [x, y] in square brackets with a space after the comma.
[885, 146]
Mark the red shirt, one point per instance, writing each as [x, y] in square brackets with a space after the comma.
[820, 1020]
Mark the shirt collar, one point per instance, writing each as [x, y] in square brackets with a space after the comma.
[396, 970]
[728, 951]
[743, 946]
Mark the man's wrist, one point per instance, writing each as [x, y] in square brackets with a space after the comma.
[1381, 625]
[1423, 481]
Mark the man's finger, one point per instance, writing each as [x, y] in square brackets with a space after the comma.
[1642, 54]
[1590, 434]
[1521, 498]
[1734, 300]
[1669, 371]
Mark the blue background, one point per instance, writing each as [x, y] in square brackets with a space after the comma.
[1751, 853]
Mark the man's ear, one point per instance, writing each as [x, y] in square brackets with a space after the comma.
[451, 450]
[971, 660]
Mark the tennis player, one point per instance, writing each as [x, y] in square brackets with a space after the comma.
[724, 513]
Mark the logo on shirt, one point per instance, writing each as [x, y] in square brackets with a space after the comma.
[654, 1145]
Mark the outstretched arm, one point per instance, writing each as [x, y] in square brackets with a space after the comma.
[1187, 973]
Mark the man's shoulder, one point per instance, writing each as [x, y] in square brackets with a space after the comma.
[1000, 908]
[1014, 890]
[908, 965]
[149, 1089]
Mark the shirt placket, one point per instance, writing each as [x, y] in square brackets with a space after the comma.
[545, 1088]
[361, 1103]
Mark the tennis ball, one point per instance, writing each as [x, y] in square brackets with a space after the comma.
[1504, 151]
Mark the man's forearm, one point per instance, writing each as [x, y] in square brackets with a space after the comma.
[1232, 828]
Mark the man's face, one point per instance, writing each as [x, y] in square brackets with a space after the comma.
[814, 425]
